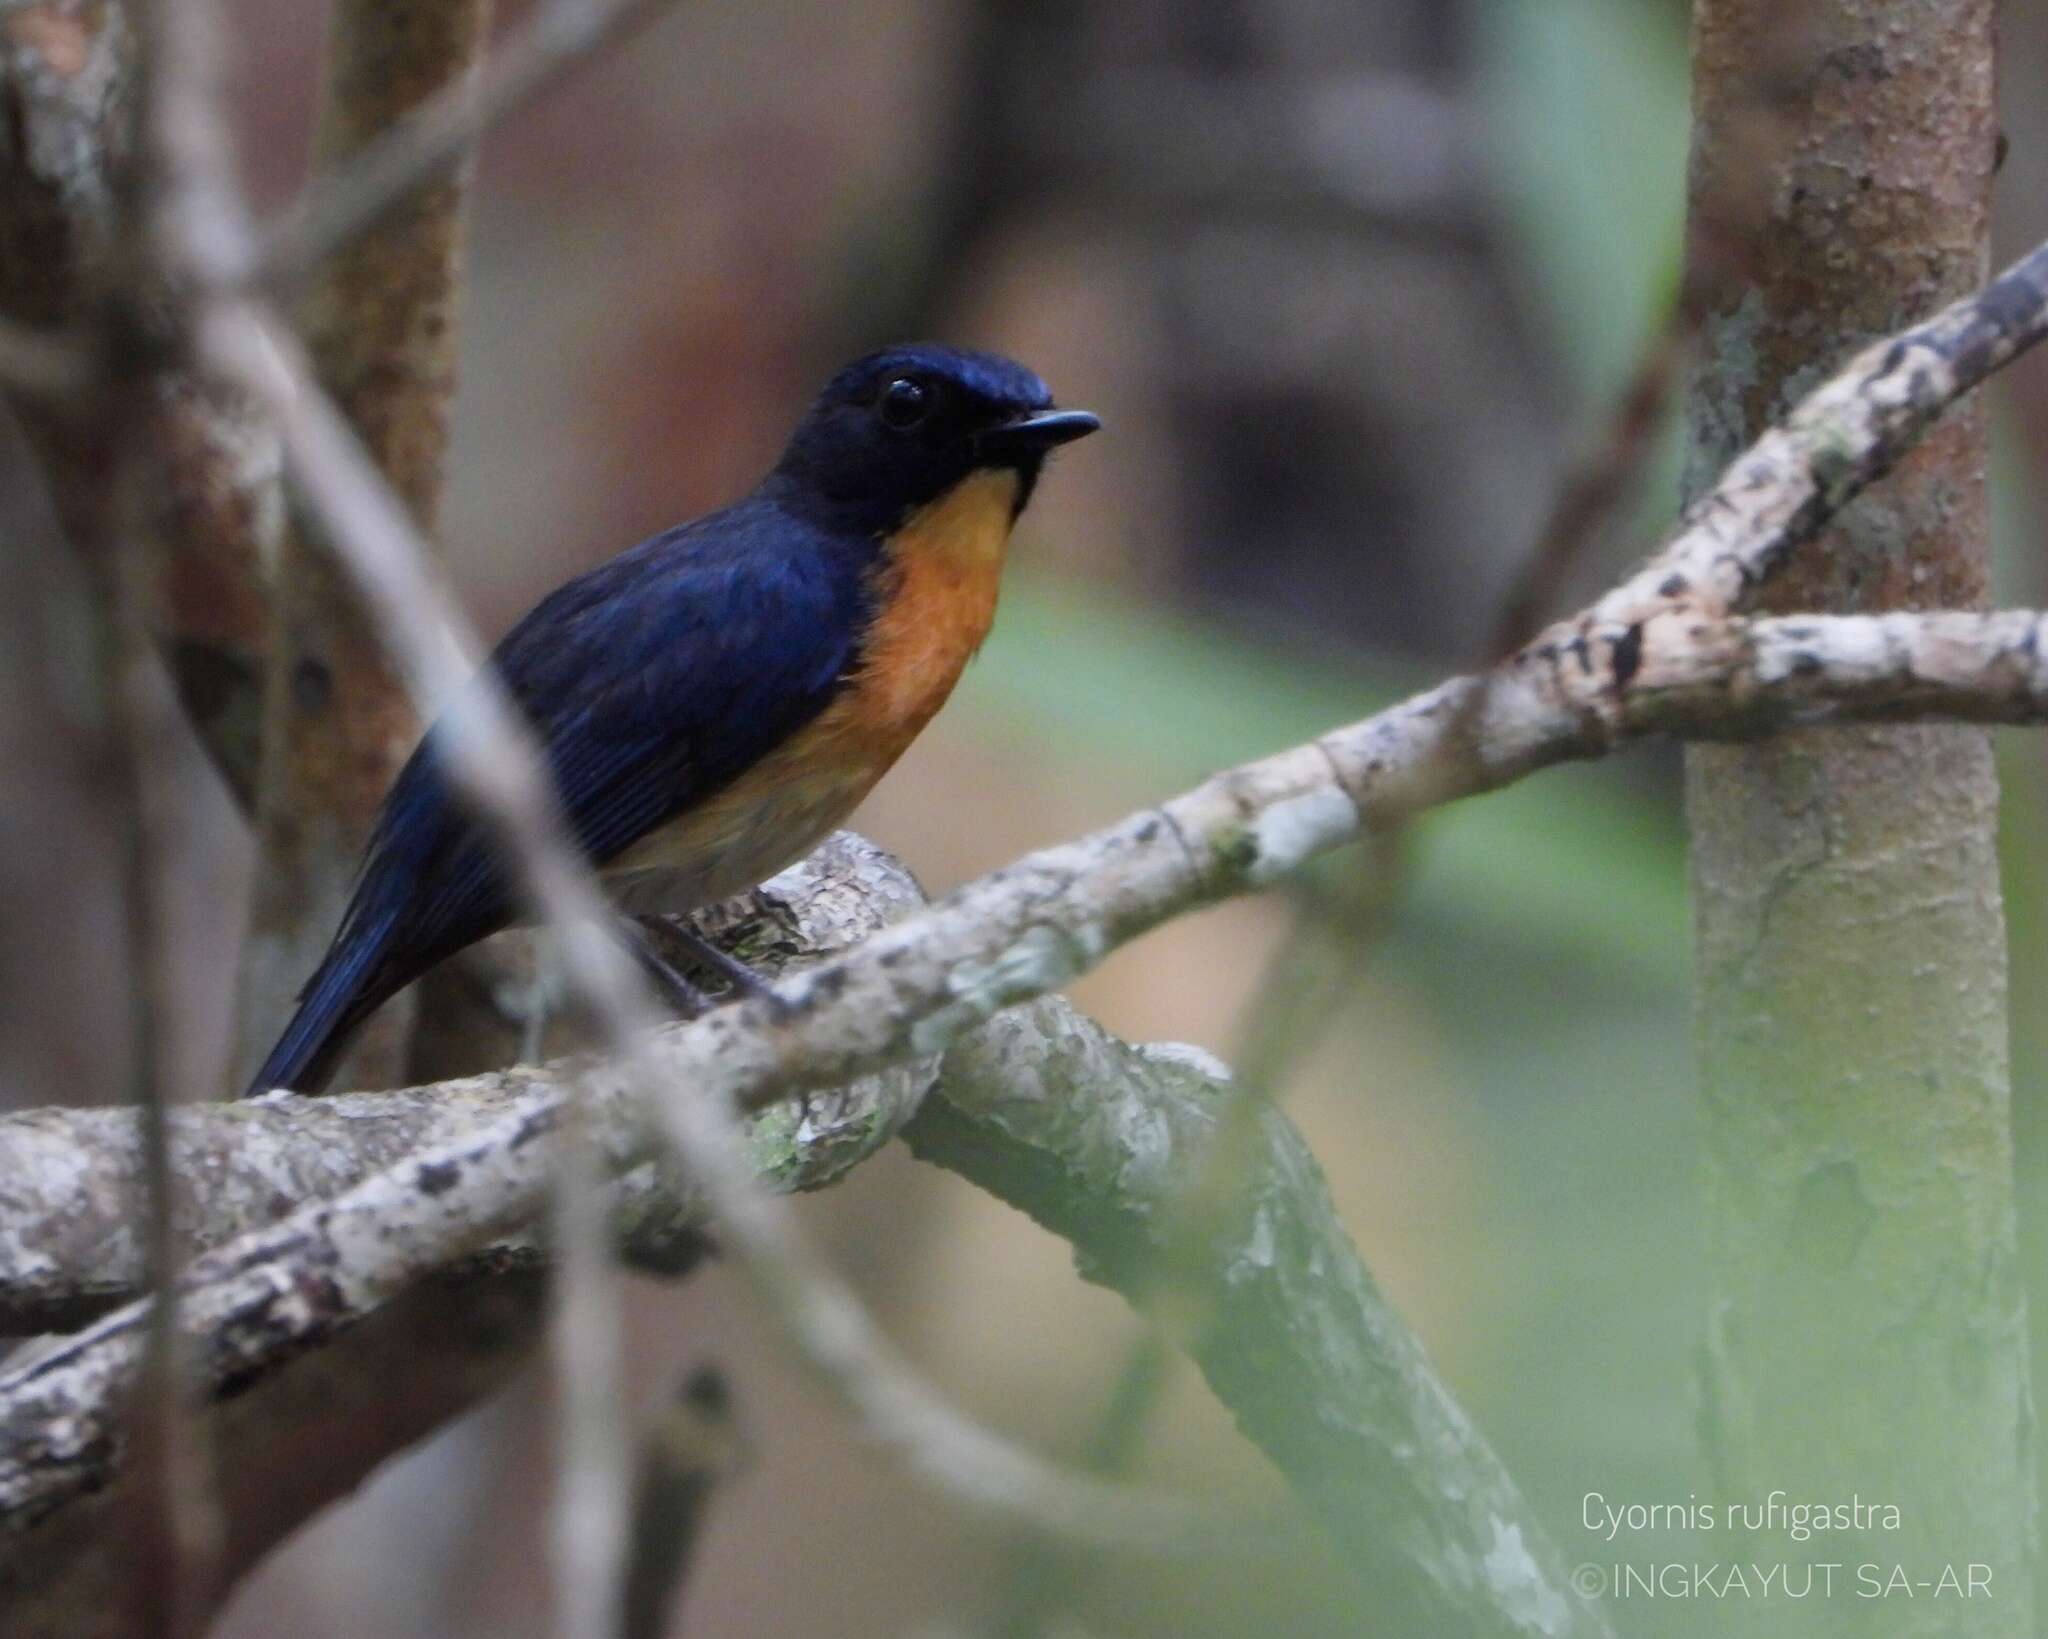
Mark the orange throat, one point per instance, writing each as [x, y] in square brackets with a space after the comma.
[937, 599]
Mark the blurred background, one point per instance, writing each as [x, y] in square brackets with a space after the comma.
[1351, 283]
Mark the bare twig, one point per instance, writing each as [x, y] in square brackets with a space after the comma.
[689, 1450]
[177, 1525]
[559, 36]
[1734, 676]
[1593, 685]
[1776, 496]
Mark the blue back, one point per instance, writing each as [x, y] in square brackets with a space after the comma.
[652, 681]
[658, 678]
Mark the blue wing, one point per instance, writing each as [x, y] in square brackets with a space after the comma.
[652, 681]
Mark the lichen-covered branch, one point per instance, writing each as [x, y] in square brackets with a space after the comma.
[317, 1274]
[68, 1172]
[1096, 1140]
[1106, 1127]
[70, 1247]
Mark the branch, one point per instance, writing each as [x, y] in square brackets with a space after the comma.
[1075, 1101]
[317, 1275]
[1780, 493]
[1050, 1113]
[69, 1178]
[67, 1242]
[1066, 1102]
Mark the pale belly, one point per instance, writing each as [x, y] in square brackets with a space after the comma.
[939, 597]
[737, 840]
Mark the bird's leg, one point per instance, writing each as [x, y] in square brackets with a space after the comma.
[744, 980]
[683, 995]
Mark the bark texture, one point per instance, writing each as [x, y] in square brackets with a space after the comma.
[211, 473]
[1097, 1140]
[380, 322]
[1866, 1336]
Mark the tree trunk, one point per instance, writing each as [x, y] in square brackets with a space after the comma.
[381, 323]
[1866, 1339]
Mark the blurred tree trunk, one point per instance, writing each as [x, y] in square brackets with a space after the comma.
[381, 323]
[1867, 1333]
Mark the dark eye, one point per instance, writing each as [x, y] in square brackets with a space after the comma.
[905, 402]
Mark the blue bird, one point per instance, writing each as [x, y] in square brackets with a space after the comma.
[715, 701]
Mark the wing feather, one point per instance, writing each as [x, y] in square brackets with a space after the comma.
[651, 682]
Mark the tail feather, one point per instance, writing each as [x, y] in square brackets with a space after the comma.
[340, 995]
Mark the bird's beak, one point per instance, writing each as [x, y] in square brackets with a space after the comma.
[1035, 434]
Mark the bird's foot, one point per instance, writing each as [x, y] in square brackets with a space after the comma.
[677, 989]
[743, 979]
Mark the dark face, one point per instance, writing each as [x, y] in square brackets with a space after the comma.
[898, 429]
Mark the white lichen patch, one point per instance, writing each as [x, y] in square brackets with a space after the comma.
[1185, 1055]
[1518, 1583]
[1294, 831]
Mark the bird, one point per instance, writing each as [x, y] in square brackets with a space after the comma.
[714, 702]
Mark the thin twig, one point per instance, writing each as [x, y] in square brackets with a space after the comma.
[176, 1583]
[560, 35]
[591, 1522]
[690, 1449]
[178, 1536]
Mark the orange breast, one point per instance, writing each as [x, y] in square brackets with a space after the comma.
[936, 599]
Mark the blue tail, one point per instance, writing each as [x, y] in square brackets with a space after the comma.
[341, 994]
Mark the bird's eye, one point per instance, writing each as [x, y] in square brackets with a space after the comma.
[905, 402]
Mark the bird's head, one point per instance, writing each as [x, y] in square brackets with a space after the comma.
[896, 431]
